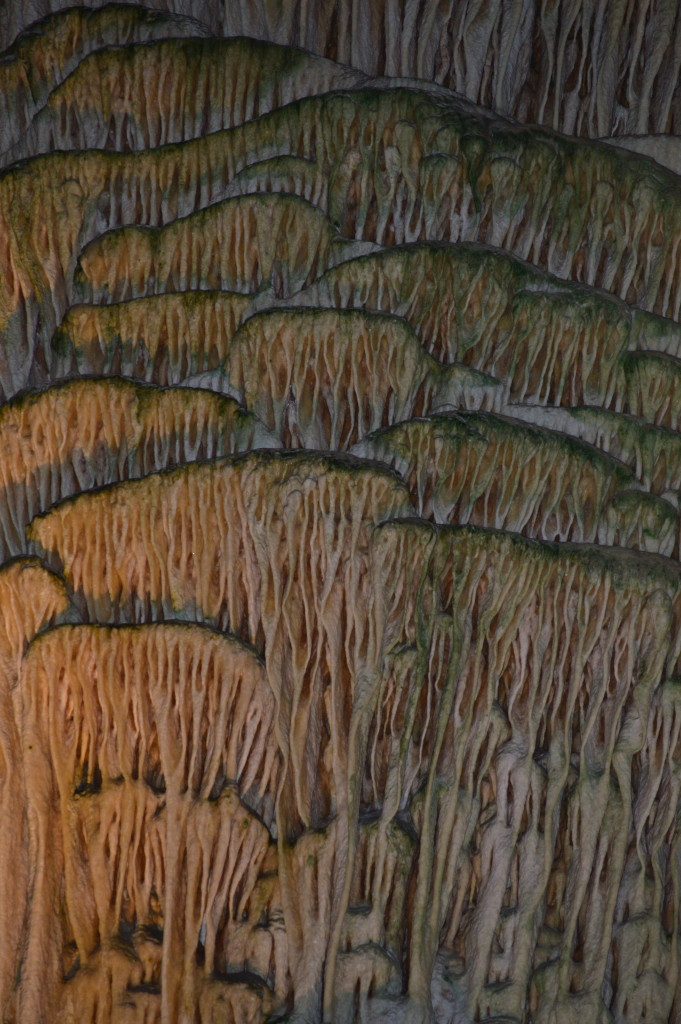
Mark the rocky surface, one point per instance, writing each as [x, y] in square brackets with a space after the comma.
[576, 66]
[340, 463]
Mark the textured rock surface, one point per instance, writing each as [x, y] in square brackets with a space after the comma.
[580, 67]
[340, 477]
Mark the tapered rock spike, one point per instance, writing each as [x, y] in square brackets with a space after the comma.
[340, 466]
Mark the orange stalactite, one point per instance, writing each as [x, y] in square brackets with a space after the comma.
[340, 489]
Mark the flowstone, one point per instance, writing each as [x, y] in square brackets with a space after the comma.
[340, 523]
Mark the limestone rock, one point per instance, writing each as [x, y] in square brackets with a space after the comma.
[84, 434]
[340, 513]
[166, 339]
[44, 57]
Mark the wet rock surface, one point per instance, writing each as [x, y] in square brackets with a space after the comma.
[340, 463]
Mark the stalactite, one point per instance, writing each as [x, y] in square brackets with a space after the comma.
[323, 379]
[85, 434]
[149, 738]
[340, 467]
[244, 245]
[146, 96]
[31, 598]
[163, 339]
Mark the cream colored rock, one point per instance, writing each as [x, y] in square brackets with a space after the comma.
[165, 339]
[44, 57]
[324, 378]
[341, 683]
[157, 744]
[496, 472]
[31, 598]
[85, 434]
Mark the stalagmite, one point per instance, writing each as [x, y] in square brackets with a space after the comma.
[178, 89]
[340, 512]
[443, 172]
[560, 675]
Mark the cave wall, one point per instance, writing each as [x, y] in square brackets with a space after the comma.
[340, 461]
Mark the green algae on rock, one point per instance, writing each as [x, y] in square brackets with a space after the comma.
[322, 378]
[341, 683]
[84, 434]
[165, 339]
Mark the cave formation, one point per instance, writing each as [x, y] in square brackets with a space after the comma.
[340, 531]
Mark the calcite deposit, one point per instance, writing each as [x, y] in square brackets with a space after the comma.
[340, 523]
